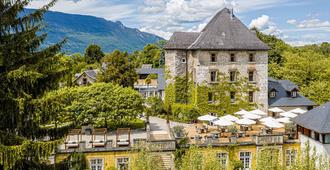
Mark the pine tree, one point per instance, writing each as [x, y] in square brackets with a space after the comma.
[27, 71]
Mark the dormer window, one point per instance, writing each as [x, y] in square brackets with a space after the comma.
[252, 58]
[213, 58]
[294, 93]
[272, 94]
[184, 60]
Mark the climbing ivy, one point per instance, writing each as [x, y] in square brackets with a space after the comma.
[183, 93]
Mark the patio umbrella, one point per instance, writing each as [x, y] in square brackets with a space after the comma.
[288, 114]
[298, 111]
[230, 118]
[266, 119]
[284, 120]
[206, 118]
[251, 116]
[273, 124]
[245, 121]
[276, 110]
[241, 112]
[258, 112]
[223, 122]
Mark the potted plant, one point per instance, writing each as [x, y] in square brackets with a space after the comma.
[233, 130]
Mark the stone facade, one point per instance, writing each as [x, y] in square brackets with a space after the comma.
[199, 65]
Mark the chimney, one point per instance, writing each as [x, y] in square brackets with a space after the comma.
[232, 12]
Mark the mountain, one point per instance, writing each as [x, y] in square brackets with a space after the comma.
[82, 30]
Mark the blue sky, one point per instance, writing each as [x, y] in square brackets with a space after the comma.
[298, 22]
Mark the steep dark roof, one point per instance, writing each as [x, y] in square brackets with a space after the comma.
[181, 40]
[317, 119]
[159, 71]
[90, 73]
[223, 32]
[283, 98]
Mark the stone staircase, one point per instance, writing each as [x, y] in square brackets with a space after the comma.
[167, 161]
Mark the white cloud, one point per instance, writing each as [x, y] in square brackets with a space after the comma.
[309, 23]
[260, 22]
[161, 33]
[197, 28]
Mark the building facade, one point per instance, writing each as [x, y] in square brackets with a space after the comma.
[314, 127]
[151, 81]
[285, 95]
[224, 46]
[87, 77]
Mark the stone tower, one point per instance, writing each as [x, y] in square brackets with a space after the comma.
[225, 45]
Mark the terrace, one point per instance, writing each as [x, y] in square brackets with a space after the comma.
[89, 139]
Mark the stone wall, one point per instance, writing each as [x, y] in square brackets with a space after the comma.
[199, 65]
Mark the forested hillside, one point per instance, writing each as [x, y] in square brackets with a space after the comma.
[307, 66]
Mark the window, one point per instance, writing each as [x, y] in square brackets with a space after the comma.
[316, 136]
[213, 75]
[183, 60]
[245, 157]
[232, 97]
[223, 158]
[210, 97]
[232, 58]
[122, 163]
[232, 76]
[84, 81]
[327, 139]
[251, 58]
[213, 58]
[96, 164]
[294, 93]
[290, 157]
[251, 97]
[251, 76]
[272, 94]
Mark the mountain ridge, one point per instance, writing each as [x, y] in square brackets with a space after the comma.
[82, 30]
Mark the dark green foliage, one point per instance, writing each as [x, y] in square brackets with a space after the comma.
[181, 90]
[27, 72]
[93, 54]
[156, 106]
[119, 70]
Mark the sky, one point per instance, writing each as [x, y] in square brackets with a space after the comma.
[298, 22]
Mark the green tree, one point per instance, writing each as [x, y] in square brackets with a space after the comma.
[93, 54]
[119, 70]
[100, 104]
[27, 71]
[147, 160]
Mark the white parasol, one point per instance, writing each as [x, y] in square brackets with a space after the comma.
[284, 120]
[276, 110]
[298, 111]
[223, 122]
[273, 124]
[266, 119]
[251, 116]
[241, 112]
[245, 121]
[206, 118]
[230, 118]
[288, 114]
[258, 112]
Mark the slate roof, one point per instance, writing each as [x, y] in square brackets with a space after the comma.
[181, 40]
[317, 119]
[159, 71]
[90, 73]
[224, 32]
[283, 97]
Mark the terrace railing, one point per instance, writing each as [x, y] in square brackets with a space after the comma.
[268, 139]
[162, 145]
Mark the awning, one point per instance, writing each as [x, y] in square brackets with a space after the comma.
[284, 120]
[273, 124]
